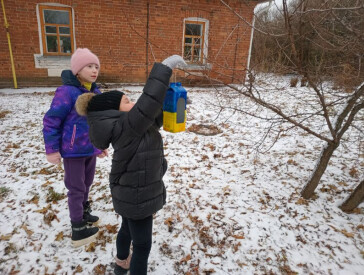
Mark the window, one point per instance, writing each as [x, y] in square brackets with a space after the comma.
[195, 39]
[57, 31]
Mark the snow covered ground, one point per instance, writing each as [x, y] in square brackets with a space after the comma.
[230, 209]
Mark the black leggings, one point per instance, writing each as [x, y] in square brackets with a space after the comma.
[140, 232]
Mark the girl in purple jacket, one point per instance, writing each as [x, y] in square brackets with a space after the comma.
[66, 136]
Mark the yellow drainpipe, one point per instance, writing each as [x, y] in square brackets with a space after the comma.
[10, 51]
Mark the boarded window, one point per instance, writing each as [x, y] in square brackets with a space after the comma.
[57, 31]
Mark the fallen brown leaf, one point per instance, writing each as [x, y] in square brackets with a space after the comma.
[185, 259]
[60, 237]
[28, 231]
[91, 247]
[5, 237]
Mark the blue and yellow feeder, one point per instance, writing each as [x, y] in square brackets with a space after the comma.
[174, 108]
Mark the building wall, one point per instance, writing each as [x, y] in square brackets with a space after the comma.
[116, 32]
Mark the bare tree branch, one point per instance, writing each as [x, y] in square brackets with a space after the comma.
[332, 9]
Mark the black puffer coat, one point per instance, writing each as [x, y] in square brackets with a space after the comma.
[138, 163]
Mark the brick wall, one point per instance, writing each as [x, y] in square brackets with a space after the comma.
[116, 32]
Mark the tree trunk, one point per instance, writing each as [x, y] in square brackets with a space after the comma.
[320, 168]
[355, 198]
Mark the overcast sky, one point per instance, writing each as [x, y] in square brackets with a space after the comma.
[274, 4]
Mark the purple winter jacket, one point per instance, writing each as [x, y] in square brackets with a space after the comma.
[64, 130]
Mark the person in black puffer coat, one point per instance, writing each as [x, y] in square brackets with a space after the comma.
[138, 164]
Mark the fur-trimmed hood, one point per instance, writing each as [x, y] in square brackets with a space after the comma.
[82, 103]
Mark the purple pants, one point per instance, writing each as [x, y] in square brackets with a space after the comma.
[78, 177]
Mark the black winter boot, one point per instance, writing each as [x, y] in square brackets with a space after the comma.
[81, 234]
[90, 219]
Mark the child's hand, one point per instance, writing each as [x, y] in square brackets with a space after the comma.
[174, 61]
[54, 158]
[104, 153]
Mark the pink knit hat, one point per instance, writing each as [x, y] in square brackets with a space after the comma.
[81, 58]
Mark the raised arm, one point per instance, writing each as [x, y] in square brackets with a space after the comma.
[150, 103]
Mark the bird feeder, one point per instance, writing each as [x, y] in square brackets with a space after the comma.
[174, 108]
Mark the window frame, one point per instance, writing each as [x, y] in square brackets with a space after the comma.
[58, 35]
[192, 44]
[203, 38]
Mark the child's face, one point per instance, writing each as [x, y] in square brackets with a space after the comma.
[125, 104]
[89, 73]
